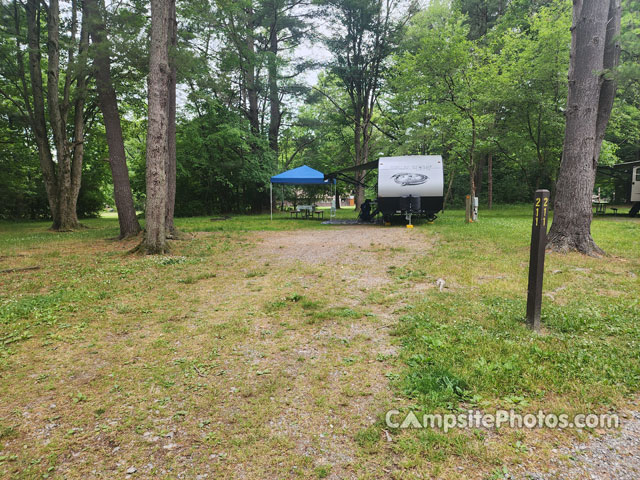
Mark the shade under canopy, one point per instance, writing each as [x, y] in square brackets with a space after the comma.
[301, 176]
[298, 176]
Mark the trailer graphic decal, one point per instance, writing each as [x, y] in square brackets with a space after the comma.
[405, 179]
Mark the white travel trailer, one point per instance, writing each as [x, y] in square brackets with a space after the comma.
[410, 185]
[407, 185]
[635, 185]
[635, 191]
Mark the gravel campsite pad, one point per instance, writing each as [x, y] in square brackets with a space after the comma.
[609, 456]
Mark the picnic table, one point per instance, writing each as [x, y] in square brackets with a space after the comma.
[601, 207]
[304, 211]
[307, 211]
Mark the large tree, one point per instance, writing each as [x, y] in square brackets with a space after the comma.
[595, 52]
[170, 163]
[285, 23]
[55, 112]
[159, 81]
[108, 102]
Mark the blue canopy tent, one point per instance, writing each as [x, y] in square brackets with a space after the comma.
[303, 175]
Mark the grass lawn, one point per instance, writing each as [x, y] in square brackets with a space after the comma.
[273, 349]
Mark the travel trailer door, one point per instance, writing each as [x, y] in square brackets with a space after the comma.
[635, 185]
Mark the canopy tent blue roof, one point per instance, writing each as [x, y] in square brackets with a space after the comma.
[301, 176]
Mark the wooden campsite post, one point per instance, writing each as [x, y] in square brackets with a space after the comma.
[536, 258]
[467, 202]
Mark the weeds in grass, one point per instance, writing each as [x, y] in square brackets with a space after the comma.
[191, 279]
[122, 344]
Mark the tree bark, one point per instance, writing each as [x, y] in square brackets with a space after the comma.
[39, 123]
[490, 181]
[472, 159]
[155, 238]
[108, 102]
[275, 115]
[77, 149]
[596, 25]
[359, 175]
[67, 218]
[171, 133]
[251, 84]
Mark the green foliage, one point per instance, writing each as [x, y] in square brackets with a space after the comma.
[22, 193]
[221, 167]
[466, 97]
[462, 78]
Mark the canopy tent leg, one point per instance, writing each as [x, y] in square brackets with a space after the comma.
[271, 198]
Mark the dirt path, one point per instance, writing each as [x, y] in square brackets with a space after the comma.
[321, 305]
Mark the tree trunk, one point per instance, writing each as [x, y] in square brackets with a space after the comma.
[155, 239]
[275, 115]
[490, 181]
[67, 219]
[108, 102]
[472, 160]
[251, 84]
[337, 200]
[360, 158]
[63, 178]
[596, 25]
[39, 123]
[77, 150]
[472, 181]
[171, 128]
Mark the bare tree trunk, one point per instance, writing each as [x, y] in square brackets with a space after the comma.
[155, 239]
[251, 84]
[39, 123]
[171, 133]
[101, 52]
[610, 62]
[358, 144]
[472, 160]
[275, 115]
[596, 25]
[78, 118]
[337, 200]
[472, 181]
[490, 180]
[67, 218]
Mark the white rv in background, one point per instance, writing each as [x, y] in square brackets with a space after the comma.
[410, 184]
[620, 171]
[407, 185]
[635, 185]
